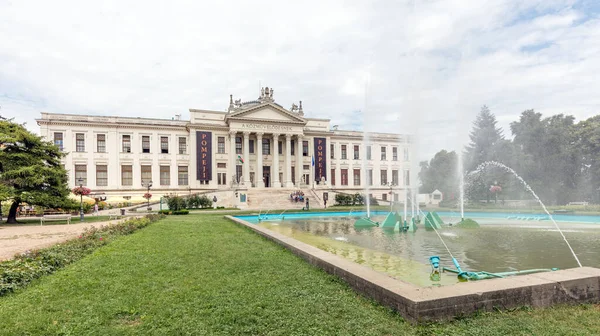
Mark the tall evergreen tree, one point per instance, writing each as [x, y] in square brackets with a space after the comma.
[440, 173]
[484, 137]
[30, 170]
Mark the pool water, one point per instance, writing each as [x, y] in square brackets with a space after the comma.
[499, 245]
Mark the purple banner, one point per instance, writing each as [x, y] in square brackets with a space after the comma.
[203, 156]
[320, 159]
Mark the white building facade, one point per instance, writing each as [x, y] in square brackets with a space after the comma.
[252, 145]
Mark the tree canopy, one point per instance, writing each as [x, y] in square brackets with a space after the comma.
[30, 170]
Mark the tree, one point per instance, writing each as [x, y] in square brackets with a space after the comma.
[484, 137]
[30, 170]
[440, 173]
[587, 141]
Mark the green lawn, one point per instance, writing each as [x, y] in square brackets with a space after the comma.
[203, 275]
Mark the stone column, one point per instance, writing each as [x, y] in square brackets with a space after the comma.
[246, 169]
[288, 161]
[299, 168]
[275, 174]
[258, 175]
[232, 156]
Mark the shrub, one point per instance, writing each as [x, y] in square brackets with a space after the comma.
[343, 199]
[164, 212]
[176, 203]
[220, 207]
[26, 267]
[181, 212]
[193, 201]
[205, 202]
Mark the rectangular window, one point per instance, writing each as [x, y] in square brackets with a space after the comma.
[406, 158]
[221, 178]
[221, 145]
[370, 177]
[304, 148]
[101, 143]
[101, 175]
[127, 144]
[182, 145]
[292, 150]
[356, 152]
[145, 144]
[126, 175]
[266, 146]
[80, 142]
[384, 197]
[221, 165]
[344, 152]
[280, 147]
[383, 153]
[332, 151]
[396, 197]
[58, 140]
[238, 173]
[146, 173]
[293, 174]
[383, 177]
[395, 177]
[251, 145]
[356, 177]
[368, 152]
[332, 178]
[238, 145]
[81, 175]
[344, 173]
[182, 175]
[164, 145]
[306, 167]
[407, 178]
[165, 175]
[394, 153]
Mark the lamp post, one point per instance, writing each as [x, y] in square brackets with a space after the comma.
[148, 185]
[391, 185]
[80, 180]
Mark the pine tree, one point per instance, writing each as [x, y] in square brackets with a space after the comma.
[30, 170]
[484, 137]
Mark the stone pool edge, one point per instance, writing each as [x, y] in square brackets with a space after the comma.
[421, 304]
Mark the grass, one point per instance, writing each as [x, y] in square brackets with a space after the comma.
[74, 220]
[203, 275]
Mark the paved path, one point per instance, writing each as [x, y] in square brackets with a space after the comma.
[18, 239]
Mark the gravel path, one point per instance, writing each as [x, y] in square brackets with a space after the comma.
[18, 239]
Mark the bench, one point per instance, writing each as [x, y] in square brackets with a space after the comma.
[114, 215]
[578, 203]
[45, 218]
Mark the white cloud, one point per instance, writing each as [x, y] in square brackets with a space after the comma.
[431, 64]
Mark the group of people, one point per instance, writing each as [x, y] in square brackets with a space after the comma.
[297, 196]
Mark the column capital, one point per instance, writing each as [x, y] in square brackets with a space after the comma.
[276, 135]
[259, 134]
[246, 133]
[232, 133]
[288, 137]
[300, 136]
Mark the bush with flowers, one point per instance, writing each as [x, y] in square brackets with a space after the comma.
[26, 267]
[147, 196]
[81, 191]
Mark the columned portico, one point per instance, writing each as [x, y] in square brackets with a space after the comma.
[232, 158]
[246, 158]
[258, 175]
[288, 161]
[275, 172]
[299, 168]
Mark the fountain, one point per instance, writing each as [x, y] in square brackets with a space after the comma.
[486, 164]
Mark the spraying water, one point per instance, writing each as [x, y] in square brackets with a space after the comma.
[367, 142]
[486, 164]
[461, 185]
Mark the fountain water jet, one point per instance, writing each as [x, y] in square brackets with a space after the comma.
[461, 185]
[486, 164]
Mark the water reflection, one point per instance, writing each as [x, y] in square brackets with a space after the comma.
[493, 248]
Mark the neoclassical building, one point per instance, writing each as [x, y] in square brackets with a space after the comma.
[257, 144]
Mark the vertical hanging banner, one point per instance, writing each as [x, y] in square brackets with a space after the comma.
[320, 159]
[203, 156]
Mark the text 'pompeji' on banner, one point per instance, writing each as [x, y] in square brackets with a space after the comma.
[320, 158]
[203, 156]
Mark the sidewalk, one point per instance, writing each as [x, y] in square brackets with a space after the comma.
[18, 239]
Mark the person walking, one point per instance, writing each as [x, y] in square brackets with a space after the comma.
[307, 205]
[325, 203]
[96, 209]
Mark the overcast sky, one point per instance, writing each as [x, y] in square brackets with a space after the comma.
[425, 66]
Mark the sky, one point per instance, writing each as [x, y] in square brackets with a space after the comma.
[422, 67]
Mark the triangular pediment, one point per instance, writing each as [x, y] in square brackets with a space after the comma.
[267, 112]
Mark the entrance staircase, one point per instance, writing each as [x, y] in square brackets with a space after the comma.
[279, 199]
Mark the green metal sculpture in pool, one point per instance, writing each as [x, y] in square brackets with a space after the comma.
[481, 275]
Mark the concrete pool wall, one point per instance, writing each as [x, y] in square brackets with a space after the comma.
[420, 304]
